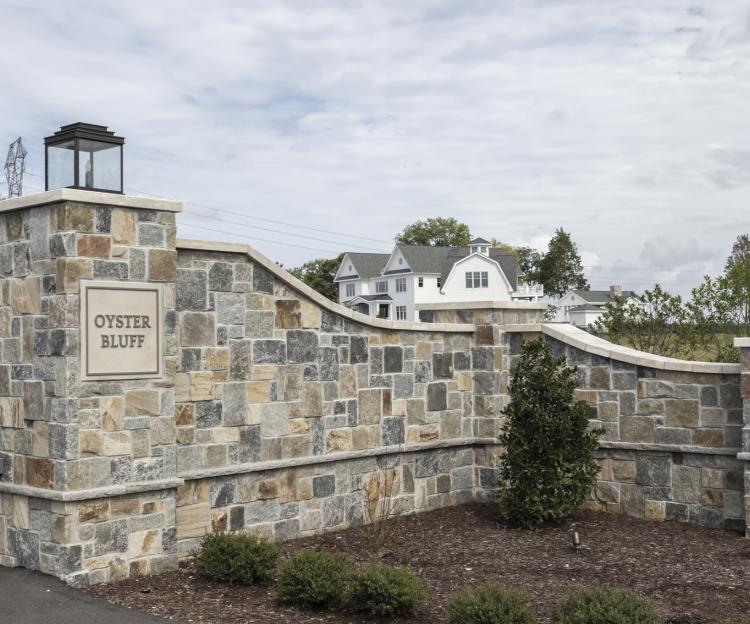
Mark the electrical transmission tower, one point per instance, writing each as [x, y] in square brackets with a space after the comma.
[15, 165]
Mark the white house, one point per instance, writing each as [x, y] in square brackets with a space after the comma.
[392, 285]
[584, 307]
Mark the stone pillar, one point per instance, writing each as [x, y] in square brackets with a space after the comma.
[88, 467]
[743, 344]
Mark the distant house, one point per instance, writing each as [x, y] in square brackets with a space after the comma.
[392, 285]
[584, 307]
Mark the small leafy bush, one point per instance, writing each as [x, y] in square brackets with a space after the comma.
[387, 591]
[605, 605]
[314, 579]
[236, 558]
[549, 465]
[490, 604]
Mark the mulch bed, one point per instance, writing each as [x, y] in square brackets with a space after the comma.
[694, 575]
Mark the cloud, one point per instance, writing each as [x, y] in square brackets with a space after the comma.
[619, 122]
[668, 254]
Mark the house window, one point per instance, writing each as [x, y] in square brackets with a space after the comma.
[400, 284]
[350, 290]
[381, 287]
[421, 282]
[400, 313]
[438, 282]
[383, 310]
[477, 279]
[484, 250]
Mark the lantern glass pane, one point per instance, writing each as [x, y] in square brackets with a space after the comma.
[99, 165]
[60, 165]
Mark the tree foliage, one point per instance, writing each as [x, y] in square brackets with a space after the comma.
[549, 465]
[437, 232]
[560, 269]
[318, 274]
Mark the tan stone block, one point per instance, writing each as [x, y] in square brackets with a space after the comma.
[26, 296]
[428, 433]
[181, 387]
[623, 471]
[116, 443]
[268, 488]
[21, 517]
[142, 402]
[225, 435]
[94, 510]
[399, 407]
[424, 351]
[655, 510]
[390, 338]
[264, 372]
[412, 435]
[365, 437]
[310, 520]
[40, 472]
[219, 521]
[124, 226]
[682, 413]
[288, 486]
[713, 438]
[590, 396]
[11, 412]
[90, 442]
[339, 440]
[120, 252]
[163, 430]
[76, 217]
[288, 314]
[312, 399]
[193, 520]
[370, 405]
[40, 439]
[311, 315]
[712, 478]
[93, 246]
[216, 358]
[140, 442]
[143, 543]
[258, 391]
[192, 492]
[299, 425]
[347, 382]
[713, 498]
[63, 529]
[184, 416]
[290, 382]
[162, 265]
[606, 471]
[69, 271]
[304, 489]
[123, 506]
[295, 446]
[201, 385]
[465, 381]
[113, 413]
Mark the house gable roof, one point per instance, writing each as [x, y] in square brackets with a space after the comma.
[480, 241]
[367, 265]
[602, 296]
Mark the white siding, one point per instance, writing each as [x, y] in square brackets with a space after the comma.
[455, 287]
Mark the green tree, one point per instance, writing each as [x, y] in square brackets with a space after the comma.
[528, 262]
[560, 269]
[318, 274]
[661, 325]
[549, 465]
[740, 253]
[436, 231]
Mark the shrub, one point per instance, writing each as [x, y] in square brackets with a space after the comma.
[490, 604]
[314, 579]
[387, 591]
[236, 558]
[549, 465]
[605, 605]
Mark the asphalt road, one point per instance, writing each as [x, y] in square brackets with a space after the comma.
[32, 598]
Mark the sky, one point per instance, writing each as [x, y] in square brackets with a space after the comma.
[308, 128]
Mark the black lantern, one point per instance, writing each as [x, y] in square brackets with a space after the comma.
[84, 156]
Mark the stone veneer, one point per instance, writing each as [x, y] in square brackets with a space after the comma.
[671, 437]
[279, 408]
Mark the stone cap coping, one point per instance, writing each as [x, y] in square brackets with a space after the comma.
[742, 342]
[483, 305]
[67, 496]
[669, 448]
[89, 197]
[589, 343]
[323, 302]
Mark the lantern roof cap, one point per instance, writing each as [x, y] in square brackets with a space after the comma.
[80, 130]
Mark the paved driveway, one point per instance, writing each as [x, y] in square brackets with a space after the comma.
[33, 598]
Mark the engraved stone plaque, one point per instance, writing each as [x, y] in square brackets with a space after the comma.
[121, 330]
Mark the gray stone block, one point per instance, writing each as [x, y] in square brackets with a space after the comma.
[393, 359]
[486, 382]
[220, 276]
[230, 308]
[269, 352]
[207, 414]
[426, 465]
[191, 288]
[328, 363]
[653, 470]
[301, 346]
[221, 492]
[437, 397]
[24, 546]
[392, 431]
[150, 235]
[324, 486]
[111, 270]
[358, 351]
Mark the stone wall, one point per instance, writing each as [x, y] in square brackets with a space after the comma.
[482, 313]
[671, 437]
[286, 410]
[279, 410]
